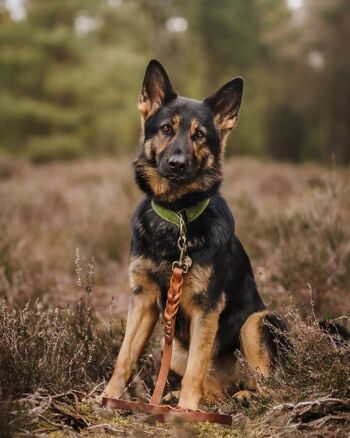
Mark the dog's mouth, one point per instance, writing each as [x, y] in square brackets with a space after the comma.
[176, 178]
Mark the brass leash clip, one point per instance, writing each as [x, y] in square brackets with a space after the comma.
[184, 262]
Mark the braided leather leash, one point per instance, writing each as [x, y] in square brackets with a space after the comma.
[171, 308]
[165, 413]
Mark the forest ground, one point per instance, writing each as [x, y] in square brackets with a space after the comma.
[62, 317]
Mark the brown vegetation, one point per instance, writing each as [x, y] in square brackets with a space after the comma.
[56, 350]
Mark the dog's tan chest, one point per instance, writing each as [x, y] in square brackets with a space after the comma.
[145, 277]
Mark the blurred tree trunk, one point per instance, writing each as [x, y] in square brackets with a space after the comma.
[331, 35]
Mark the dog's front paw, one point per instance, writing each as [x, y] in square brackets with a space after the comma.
[114, 389]
[189, 401]
[171, 395]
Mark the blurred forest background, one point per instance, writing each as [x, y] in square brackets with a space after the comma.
[71, 71]
[70, 76]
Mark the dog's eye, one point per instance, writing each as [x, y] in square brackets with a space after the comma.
[199, 134]
[167, 129]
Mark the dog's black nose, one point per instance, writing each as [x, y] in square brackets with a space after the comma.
[177, 163]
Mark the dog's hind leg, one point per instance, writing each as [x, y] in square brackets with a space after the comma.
[258, 344]
[142, 317]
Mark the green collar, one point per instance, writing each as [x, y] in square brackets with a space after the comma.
[191, 213]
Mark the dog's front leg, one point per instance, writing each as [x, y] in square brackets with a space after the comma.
[142, 316]
[204, 327]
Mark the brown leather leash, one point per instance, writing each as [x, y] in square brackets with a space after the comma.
[165, 413]
[171, 308]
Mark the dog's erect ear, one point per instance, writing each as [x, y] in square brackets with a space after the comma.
[156, 89]
[225, 104]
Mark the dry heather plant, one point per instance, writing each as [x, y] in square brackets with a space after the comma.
[53, 349]
[314, 247]
[297, 234]
[22, 276]
[50, 358]
[317, 365]
[47, 212]
[309, 390]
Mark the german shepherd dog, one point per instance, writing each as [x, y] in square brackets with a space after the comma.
[178, 167]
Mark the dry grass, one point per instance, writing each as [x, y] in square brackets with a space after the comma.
[294, 223]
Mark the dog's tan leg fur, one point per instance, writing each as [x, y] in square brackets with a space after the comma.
[255, 353]
[203, 331]
[142, 316]
[252, 344]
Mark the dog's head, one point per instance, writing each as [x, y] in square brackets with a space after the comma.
[183, 140]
